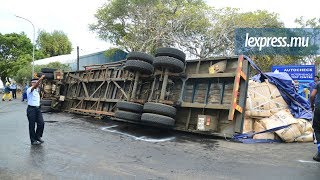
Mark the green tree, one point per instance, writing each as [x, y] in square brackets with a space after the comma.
[144, 25]
[12, 47]
[54, 44]
[230, 19]
[313, 23]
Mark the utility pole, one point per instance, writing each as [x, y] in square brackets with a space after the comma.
[78, 59]
[34, 33]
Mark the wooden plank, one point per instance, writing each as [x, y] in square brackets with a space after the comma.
[97, 89]
[106, 79]
[188, 119]
[123, 92]
[96, 99]
[243, 75]
[92, 111]
[85, 89]
[107, 88]
[77, 77]
[207, 106]
[166, 102]
[243, 98]
[217, 75]
[235, 89]
[213, 59]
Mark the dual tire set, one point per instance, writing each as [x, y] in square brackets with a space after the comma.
[170, 58]
[46, 103]
[48, 72]
[150, 113]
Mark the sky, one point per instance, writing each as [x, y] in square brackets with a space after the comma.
[73, 16]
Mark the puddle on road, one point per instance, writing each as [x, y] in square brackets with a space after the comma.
[140, 133]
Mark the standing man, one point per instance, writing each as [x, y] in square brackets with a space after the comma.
[13, 88]
[315, 106]
[24, 93]
[313, 84]
[34, 113]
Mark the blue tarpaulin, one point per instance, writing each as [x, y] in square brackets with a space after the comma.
[298, 105]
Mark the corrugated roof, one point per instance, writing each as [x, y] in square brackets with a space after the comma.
[64, 59]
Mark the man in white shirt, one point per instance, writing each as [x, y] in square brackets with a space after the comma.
[34, 113]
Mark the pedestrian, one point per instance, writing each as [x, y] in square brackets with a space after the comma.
[7, 94]
[313, 84]
[34, 113]
[315, 106]
[13, 88]
[24, 93]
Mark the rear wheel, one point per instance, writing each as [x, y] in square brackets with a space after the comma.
[140, 56]
[157, 119]
[158, 108]
[130, 106]
[171, 52]
[48, 75]
[127, 115]
[172, 64]
[139, 66]
[48, 70]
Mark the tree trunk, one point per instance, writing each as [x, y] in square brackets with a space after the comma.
[3, 79]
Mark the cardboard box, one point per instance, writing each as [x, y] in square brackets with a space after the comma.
[247, 125]
[283, 118]
[277, 105]
[258, 127]
[261, 91]
[274, 92]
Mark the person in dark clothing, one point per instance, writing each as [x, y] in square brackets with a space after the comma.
[315, 106]
[313, 84]
[34, 113]
[13, 88]
[24, 93]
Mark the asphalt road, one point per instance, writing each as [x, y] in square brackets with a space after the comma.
[79, 147]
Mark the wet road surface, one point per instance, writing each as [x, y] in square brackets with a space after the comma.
[78, 147]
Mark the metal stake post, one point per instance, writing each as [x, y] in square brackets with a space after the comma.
[164, 84]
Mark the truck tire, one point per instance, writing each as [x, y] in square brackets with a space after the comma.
[161, 109]
[140, 56]
[174, 65]
[48, 75]
[39, 74]
[46, 102]
[48, 70]
[127, 115]
[130, 106]
[157, 119]
[138, 66]
[171, 52]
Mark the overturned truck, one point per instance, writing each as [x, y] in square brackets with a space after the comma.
[166, 91]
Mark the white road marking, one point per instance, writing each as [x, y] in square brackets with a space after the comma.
[303, 161]
[142, 138]
[109, 127]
